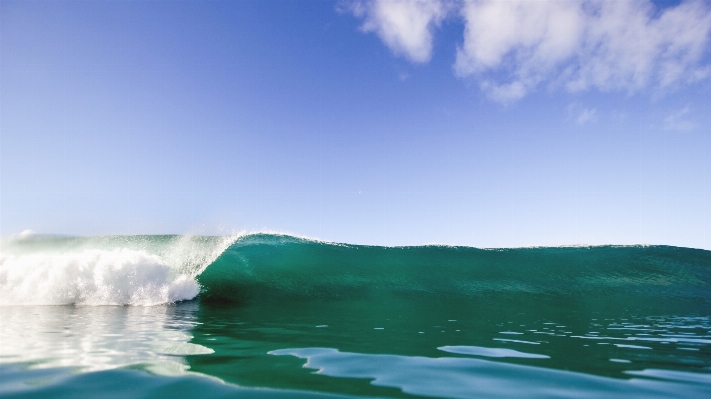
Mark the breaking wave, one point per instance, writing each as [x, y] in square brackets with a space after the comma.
[150, 270]
[112, 270]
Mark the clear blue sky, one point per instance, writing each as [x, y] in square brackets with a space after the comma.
[480, 123]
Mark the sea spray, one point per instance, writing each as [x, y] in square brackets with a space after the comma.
[92, 277]
[108, 270]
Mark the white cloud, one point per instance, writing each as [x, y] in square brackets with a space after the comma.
[404, 25]
[679, 120]
[544, 32]
[587, 115]
[504, 93]
[607, 45]
[582, 44]
[580, 114]
[511, 47]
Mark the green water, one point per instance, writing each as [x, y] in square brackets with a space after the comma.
[287, 317]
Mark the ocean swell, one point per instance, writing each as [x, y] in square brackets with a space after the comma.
[264, 267]
[151, 270]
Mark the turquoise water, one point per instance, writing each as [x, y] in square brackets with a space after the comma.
[268, 315]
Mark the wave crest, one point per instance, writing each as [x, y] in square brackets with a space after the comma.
[92, 277]
[104, 270]
[151, 270]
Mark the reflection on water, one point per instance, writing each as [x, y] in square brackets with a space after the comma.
[463, 378]
[387, 353]
[454, 352]
[99, 338]
[490, 352]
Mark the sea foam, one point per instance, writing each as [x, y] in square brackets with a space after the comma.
[118, 270]
[92, 277]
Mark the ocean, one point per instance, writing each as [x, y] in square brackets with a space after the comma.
[278, 316]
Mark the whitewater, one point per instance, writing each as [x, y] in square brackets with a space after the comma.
[108, 270]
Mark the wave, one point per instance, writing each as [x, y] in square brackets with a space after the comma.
[260, 267]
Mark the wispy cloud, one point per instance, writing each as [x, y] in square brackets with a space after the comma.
[405, 26]
[512, 47]
[580, 114]
[587, 115]
[678, 120]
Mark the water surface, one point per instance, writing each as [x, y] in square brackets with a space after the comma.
[278, 316]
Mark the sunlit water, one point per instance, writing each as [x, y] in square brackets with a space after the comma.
[282, 317]
[99, 338]
[45, 349]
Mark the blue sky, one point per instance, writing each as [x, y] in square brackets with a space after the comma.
[483, 123]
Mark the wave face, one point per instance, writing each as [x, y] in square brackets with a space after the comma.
[111, 270]
[259, 268]
[265, 267]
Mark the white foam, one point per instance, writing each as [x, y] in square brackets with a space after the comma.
[108, 270]
[92, 277]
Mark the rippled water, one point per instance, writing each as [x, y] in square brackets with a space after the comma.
[100, 338]
[54, 349]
